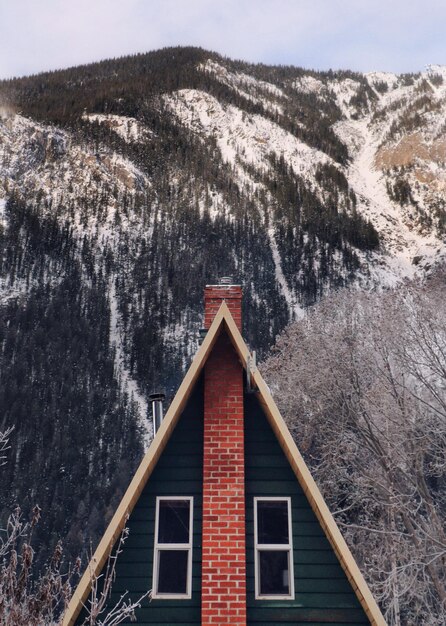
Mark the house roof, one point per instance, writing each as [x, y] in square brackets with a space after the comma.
[224, 321]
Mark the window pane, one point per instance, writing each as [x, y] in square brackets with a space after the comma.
[173, 521]
[272, 522]
[274, 573]
[172, 572]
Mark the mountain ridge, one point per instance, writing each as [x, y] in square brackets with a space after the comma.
[127, 185]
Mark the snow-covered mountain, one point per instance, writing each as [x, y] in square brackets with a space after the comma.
[127, 185]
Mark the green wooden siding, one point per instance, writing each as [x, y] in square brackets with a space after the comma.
[179, 472]
[323, 594]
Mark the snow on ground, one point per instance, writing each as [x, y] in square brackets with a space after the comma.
[247, 139]
[420, 152]
[8, 292]
[240, 79]
[439, 70]
[344, 90]
[388, 78]
[242, 137]
[126, 127]
[432, 108]
[400, 94]
[215, 205]
[403, 245]
[408, 250]
[434, 71]
[126, 381]
[125, 171]
[2, 213]
[19, 287]
[308, 84]
[297, 312]
[45, 159]
[247, 86]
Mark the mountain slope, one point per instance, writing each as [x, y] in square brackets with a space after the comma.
[127, 185]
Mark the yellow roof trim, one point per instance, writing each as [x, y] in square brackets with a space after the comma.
[224, 319]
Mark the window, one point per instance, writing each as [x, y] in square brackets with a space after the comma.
[172, 559]
[273, 549]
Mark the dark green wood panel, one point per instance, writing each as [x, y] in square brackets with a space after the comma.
[274, 460]
[323, 595]
[179, 472]
[279, 615]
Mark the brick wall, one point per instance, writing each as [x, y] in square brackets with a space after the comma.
[223, 542]
[214, 296]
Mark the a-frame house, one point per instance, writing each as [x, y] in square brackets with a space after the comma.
[227, 525]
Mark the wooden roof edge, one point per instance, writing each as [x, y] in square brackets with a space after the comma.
[319, 505]
[144, 470]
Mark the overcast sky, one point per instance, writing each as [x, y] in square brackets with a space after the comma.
[393, 35]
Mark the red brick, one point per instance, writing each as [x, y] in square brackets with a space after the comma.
[214, 296]
[223, 541]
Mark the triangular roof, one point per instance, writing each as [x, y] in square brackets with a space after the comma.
[224, 321]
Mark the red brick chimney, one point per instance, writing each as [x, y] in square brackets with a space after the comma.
[223, 542]
[214, 296]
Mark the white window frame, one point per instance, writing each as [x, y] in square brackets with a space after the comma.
[159, 547]
[283, 547]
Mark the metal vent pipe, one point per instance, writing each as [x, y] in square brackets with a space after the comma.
[157, 400]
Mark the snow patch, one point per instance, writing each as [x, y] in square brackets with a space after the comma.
[126, 381]
[214, 203]
[390, 79]
[2, 213]
[126, 127]
[294, 307]
[45, 160]
[433, 69]
[344, 90]
[246, 141]
[242, 137]
[402, 244]
[308, 84]
[18, 290]
[247, 86]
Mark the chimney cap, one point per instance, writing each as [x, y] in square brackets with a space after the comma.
[157, 395]
[215, 295]
[225, 280]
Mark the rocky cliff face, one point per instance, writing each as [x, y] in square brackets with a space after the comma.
[127, 185]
